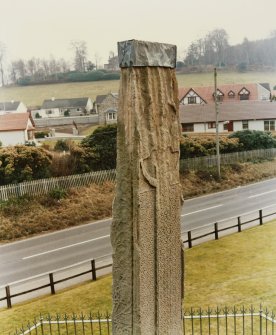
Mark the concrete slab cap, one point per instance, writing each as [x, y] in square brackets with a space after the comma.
[142, 53]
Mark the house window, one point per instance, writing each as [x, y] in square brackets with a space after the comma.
[225, 126]
[245, 124]
[219, 96]
[244, 94]
[269, 125]
[211, 125]
[187, 127]
[48, 111]
[111, 116]
[231, 95]
[191, 100]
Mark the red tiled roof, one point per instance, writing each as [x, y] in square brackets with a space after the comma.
[243, 110]
[15, 121]
[206, 92]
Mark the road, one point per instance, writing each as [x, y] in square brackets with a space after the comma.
[52, 251]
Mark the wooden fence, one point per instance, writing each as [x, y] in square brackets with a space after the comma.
[52, 282]
[213, 230]
[225, 159]
[199, 234]
[43, 186]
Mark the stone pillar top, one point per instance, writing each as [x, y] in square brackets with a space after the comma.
[142, 53]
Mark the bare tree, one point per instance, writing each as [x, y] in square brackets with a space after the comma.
[31, 66]
[64, 66]
[97, 60]
[13, 72]
[80, 57]
[46, 68]
[209, 50]
[218, 40]
[2, 57]
[20, 68]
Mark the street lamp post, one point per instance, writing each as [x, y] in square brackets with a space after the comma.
[217, 123]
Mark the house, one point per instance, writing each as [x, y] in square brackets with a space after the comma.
[64, 107]
[16, 128]
[12, 107]
[107, 106]
[225, 93]
[232, 116]
[113, 63]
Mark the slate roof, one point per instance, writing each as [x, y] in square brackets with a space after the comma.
[266, 86]
[9, 105]
[100, 98]
[65, 103]
[15, 121]
[235, 111]
[206, 92]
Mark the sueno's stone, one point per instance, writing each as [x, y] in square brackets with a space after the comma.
[145, 232]
[140, 53]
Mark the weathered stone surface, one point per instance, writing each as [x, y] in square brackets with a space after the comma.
[140, 53]
[145, 232]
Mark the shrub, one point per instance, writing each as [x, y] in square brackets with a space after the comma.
[100, 148]
[57, 193]
[254, 139]
[21, 163]
[41, 134]
[62, 145]
[242, 67]
[206, 145]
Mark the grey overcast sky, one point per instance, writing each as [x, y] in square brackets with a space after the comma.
[41, 28]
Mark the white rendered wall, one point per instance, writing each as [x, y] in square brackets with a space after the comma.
[203, 128]
[89, 105]
[12, 137]
[21, 108]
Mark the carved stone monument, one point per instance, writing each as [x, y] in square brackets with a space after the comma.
[145, 233]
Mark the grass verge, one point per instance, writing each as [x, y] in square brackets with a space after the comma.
[239, 269]
[28, 216]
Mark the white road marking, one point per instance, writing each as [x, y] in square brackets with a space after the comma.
[202, 210]
[260, 194]
[65, 247]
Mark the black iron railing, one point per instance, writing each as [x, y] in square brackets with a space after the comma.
[228, 321]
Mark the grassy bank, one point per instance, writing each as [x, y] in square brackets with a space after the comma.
[237, 269]
[21, 218]
[34, 95]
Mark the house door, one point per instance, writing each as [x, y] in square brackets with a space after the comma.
[230, 126]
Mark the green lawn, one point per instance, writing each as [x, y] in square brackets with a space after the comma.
[34, 95]
[238, 269]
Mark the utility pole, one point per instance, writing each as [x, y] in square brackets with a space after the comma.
[217, 123]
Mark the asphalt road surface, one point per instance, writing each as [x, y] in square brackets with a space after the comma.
[49, 252]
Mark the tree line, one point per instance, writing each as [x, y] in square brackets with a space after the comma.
[214, 49]
[37, 70]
